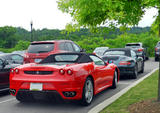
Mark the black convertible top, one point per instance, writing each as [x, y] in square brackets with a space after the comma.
[82, 58]
[126, 50]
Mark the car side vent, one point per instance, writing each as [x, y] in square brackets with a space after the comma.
[38, 72]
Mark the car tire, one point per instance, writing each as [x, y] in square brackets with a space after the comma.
[142, 68]
[24, 98]
[88, 90]
[147, 58]
[135, 73]
[156, 59]
[115, 80]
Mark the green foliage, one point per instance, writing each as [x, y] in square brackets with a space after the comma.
[148, 40]
[18, 38]
[7, 37]
[147, 89]
[92, 13]
[21, 45]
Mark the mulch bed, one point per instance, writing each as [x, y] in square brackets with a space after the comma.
[146, 106]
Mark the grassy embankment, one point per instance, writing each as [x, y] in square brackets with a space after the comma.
[147, 89]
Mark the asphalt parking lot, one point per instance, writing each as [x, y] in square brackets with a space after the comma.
[8, 103]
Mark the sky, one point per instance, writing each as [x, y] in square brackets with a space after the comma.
[44, 14]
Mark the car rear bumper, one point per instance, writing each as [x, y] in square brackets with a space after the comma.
[126, 70]
[39, 94]
[65, 89]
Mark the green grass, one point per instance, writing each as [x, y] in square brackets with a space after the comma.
[147, 89]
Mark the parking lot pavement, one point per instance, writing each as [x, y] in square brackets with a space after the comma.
[9, 104]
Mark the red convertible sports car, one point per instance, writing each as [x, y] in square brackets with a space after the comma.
[75, 76]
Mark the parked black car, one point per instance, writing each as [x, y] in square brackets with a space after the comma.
[140, 50]
[157, 51]
[126, 60]
[7, 62]
[12, 58]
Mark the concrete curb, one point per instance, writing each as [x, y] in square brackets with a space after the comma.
[107, 102]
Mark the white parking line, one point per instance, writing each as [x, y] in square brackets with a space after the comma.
[7, 100]
[125, 83]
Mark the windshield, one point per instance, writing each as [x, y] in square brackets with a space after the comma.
[102, 49]
[133, 45]
[115, 53]
[40, 47]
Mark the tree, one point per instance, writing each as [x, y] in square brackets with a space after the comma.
[7, 36]
[92, 13]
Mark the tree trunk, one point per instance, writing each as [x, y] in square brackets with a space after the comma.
[159, 58]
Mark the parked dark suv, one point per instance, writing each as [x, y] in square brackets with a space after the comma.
[139, 49]
[39, 50]
[157, 51]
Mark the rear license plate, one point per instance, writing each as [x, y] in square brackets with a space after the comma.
[37, 60]
[36, 86]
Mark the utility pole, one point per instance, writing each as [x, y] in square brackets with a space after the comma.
[31, 31]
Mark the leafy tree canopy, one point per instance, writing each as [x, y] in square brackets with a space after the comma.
[92, 13]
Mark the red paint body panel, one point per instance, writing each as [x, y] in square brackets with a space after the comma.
[102, 78]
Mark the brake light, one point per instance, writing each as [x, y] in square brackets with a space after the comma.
[12, 70]
[94, 53]
[156, 49]
[16, 71]
[124, 63]
[140, 49]
[61, 71]
[69, 72]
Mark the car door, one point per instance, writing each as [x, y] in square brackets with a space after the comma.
[4, 74]
[102, 72]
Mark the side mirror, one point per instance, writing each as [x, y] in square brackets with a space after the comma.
[109, 61]
[83, 50]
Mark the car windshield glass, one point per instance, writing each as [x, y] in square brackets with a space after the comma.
[115, 53]
[40, 47]
[133, 45]
[100, 49]
[66, 58]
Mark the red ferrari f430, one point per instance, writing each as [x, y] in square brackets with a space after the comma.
[75, 76]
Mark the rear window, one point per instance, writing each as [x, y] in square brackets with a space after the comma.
[115, 53]
[133, 45]
[40, 47]
[66, 58]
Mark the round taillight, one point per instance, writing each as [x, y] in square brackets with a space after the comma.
[12, 70]
[69, 72]
[16, 71]
[61, 71]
